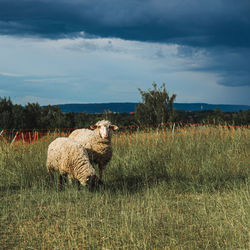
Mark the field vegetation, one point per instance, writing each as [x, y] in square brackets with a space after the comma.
[175, 188]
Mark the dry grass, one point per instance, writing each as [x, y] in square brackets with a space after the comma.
[187, 188]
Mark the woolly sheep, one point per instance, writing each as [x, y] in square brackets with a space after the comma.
[97, 142]
[70, 159]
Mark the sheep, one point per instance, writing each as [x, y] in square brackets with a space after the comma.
[97, 142]
[70, 159]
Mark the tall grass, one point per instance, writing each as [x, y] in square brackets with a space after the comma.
[182, 188]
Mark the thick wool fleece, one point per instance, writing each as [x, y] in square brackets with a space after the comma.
[69, 157]
[99, 149]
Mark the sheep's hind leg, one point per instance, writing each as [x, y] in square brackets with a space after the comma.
[51, 175]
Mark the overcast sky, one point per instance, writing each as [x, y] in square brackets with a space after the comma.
[92, 51]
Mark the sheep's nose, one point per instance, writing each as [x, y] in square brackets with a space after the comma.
[105, 135]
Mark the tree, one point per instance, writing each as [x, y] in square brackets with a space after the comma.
[32, 113]
[156, 106]
[52, 117]
[6, 118]
[18, 117]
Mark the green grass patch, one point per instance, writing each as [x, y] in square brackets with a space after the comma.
[163, 190]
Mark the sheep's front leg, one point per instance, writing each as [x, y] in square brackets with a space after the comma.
[61, 181]
[78, 185]
[101, 167]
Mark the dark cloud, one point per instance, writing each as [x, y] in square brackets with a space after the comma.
[229, 64]
[190, 22]
[197, 24]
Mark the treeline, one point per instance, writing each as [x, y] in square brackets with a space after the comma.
[34, 116]
[216, 117]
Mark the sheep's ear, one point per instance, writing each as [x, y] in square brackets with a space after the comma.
[114, 127]
[93, 127]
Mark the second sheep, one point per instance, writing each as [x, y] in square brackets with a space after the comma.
[70, 159]
[97, 142]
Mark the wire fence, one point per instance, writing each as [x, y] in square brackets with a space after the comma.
[32, 135]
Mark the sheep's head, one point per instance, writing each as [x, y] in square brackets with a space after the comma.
[105, 128]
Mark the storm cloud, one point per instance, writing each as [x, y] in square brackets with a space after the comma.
[214, 33]
[190, 22]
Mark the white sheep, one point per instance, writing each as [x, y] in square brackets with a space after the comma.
[97, 142]
[70, 159]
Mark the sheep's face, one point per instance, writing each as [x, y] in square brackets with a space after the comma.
[105, 128]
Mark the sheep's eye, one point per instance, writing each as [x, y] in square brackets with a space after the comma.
[99, 127]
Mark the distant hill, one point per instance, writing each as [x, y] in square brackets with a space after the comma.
[127, 107]
[98, 107]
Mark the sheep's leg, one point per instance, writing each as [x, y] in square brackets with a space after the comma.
[100, 172]
[61, 181]
[101, 167]
[78, 185]
[51, 174]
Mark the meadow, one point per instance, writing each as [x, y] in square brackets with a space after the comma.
[181, 188]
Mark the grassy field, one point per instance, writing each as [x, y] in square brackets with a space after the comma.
[182, 189]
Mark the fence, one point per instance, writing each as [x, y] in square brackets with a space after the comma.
[31, 135]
